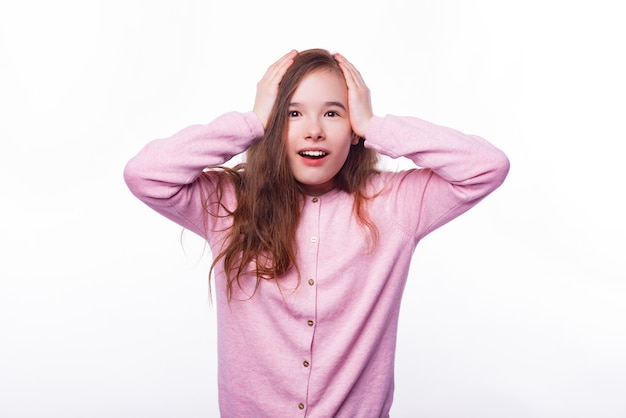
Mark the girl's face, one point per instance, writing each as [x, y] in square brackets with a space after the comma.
[319, 134]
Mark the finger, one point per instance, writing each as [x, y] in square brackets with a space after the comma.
[277, 70]
[358, 96]
[267, 87]
[352, 75]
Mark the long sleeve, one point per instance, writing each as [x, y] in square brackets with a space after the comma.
[456, 170]
[165, 174]
[321, 340]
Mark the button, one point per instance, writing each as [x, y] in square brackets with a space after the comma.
[311, 282]
[305, 363]
[315, 200]
[310, 323]
[300, 406]
[313, 240]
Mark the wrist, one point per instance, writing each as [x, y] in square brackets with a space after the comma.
[362, 129]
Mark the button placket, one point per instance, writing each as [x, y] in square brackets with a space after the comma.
[309, 240]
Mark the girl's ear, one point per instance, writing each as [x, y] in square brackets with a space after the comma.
[355, 139]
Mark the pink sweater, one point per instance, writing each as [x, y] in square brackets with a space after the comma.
[324, 348]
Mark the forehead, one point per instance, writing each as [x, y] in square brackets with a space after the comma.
[322, 84]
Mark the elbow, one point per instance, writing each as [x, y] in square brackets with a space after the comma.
[492, 174]
[497, 169]
[500, 168]
[132, 177]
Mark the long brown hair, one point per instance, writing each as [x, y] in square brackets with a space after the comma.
[261, 240]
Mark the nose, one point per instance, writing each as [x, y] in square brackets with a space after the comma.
[314, 130]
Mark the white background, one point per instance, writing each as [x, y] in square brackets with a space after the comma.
[516, 309]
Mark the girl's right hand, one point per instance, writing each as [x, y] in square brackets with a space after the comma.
[267, 87]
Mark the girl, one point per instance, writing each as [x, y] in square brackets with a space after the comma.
[311, 243]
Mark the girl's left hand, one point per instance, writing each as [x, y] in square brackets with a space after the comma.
[359, 101]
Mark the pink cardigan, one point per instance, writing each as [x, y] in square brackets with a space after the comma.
[324, 348]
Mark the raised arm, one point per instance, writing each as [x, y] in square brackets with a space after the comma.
[166, 173]
[456, 170]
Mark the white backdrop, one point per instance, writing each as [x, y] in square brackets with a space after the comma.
[516, 309]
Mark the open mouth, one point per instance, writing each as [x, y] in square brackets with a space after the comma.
[314, 155]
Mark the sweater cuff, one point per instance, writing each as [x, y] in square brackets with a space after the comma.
[374, 134]
[253, 121]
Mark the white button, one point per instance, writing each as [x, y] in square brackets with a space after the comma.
[313, 240]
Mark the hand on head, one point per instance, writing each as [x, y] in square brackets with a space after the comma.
[359, 101]
[267, 87]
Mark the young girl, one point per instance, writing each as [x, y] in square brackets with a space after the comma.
[311, 243]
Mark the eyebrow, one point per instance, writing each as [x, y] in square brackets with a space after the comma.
[331, 103]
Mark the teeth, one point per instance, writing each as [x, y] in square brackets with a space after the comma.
[313, 153]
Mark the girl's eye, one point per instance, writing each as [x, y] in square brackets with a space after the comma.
[294, 113]
[332, 113]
